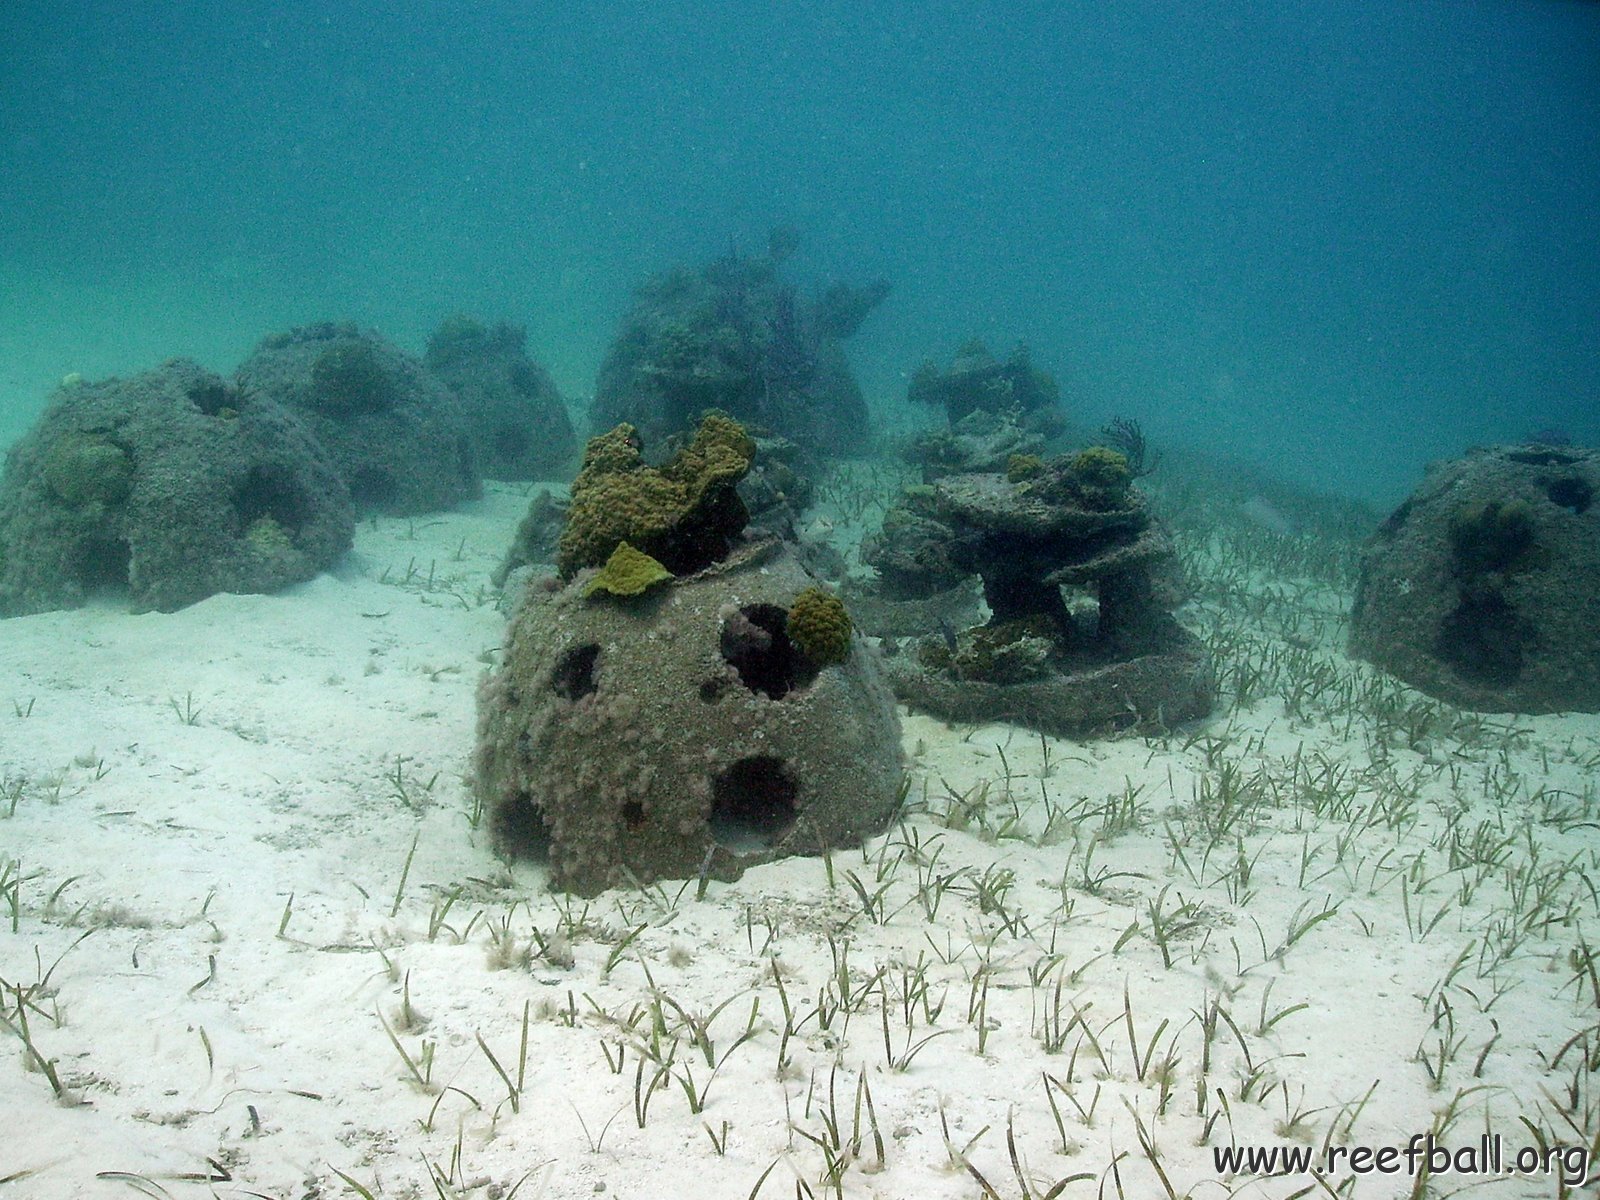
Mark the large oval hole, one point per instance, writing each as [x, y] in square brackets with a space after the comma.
[755, 642]
[573, 678]
[752, 804]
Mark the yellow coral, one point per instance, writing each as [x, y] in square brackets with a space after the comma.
[268, 538]
[1023, 466]
[1101, 477]
[617, 498]
[628, 572]
[820, 627]
[617, 450]
[86, 468]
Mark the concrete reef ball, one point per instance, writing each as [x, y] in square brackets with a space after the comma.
[513, 409]
[1483, 588]
[681, 731]
[401, 439]
[170, 484]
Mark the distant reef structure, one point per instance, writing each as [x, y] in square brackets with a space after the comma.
[994, 409]
[173, 485]
[402, 440]
[977, 381]
[1077, 576]
[1483, 588]
[514, 412]
[734, 336]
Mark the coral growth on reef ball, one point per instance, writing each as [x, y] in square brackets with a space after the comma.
[628, 572]
[86, 469]
[820, 626]
[979, 382]
[1101, 477]
[1023, 466]
[684, 513]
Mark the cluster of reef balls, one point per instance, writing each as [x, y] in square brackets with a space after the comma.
[176, 484]
[741, 712]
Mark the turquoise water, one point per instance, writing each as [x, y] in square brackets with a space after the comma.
[1334, 239]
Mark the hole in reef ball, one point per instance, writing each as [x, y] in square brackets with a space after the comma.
[210, 396]
[102, 563]
[574, 674]
[752, 804]
[520, 829]
[1570, 493]
[1482, 640]
[372, 489]
[271, 492]
[755, 642]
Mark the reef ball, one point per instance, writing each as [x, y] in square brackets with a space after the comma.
[681, 732]
[1483, 588]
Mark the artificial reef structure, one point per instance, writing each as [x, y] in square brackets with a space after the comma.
[682, 698]
[1075, 575]
[994, 409]
[977, 381]
[513, 409]
[172, 484]
[399, 437]
[734, 336]
[1483, 587]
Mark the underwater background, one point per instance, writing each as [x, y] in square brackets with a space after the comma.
[1336, 239]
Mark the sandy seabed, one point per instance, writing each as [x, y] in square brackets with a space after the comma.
[254, 940]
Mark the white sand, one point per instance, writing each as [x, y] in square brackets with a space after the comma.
[206, 859]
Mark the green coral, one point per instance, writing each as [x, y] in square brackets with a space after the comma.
[85, 469]
[820, 627]
[682, 513]
[1103, 469]
[1097, 478]
[1023, 466]
[628, 572]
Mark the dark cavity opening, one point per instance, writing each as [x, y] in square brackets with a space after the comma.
[755, 643]
[211, 397]
[520, 830]
[752, 804]
[1571, 493]
[574, 674]
[271, 492]
[102, 563]
[467, 465]
[372, 489]
[1482, 641]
